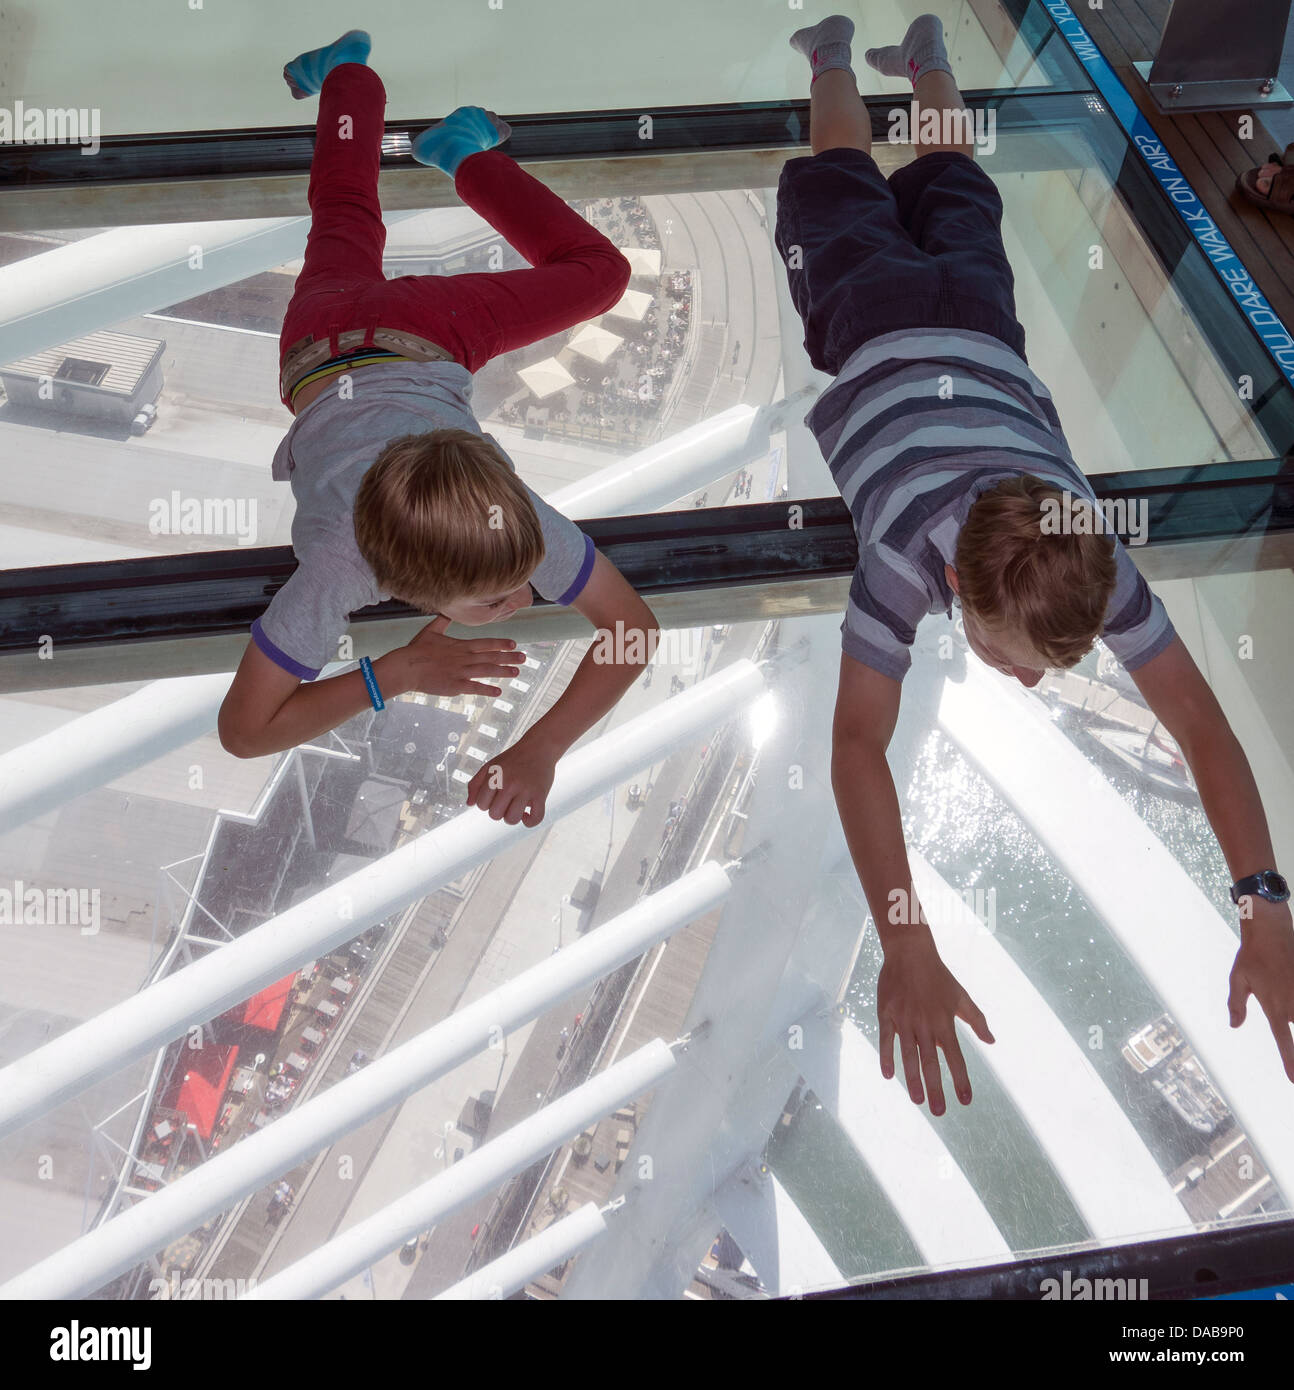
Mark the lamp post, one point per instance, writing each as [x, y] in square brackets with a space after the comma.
[446, 1130]
[565, 901]
[442, 768]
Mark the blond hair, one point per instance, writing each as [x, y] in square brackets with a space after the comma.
[1015, 575]
[442, 516]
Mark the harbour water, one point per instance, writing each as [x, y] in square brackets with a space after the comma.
[974, 839]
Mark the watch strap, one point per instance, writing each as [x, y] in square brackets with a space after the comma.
[1253, 885]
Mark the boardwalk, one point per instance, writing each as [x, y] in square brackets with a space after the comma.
[1206, 146]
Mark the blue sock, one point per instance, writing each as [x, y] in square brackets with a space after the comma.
[305, 73]
[469, 130]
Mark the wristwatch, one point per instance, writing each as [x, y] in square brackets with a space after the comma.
[1267, 883]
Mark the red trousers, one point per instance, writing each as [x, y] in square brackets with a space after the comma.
[577, 272]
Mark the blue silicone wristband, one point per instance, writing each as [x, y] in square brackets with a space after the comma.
[370, 680]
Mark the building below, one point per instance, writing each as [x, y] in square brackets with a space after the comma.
[107, 377]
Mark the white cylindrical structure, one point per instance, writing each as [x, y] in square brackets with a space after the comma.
[99, 1256]
[90, 750]
[476, 1176]
[931, 1194]
[1114, 1180]
[233, 973]
[533, 1258]
[662, 473]
[91, 284]
[1133, 883]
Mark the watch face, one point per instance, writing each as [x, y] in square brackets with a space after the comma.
[1275, 885]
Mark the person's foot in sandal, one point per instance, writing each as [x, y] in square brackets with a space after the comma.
[1272, 184]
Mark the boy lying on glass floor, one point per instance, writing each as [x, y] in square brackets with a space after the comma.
[398, 492]
[949, 453]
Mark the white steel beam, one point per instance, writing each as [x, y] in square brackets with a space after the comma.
[1111, 1176]
[479, 1174]
[720, 1110]
[94, 748]
[933, 1198]
[90, 284]
[1171, 932]
[762, 1217]
[183, 1205]
[1114, 1180]
[228, 976]
[533, 1258]
[662, 473]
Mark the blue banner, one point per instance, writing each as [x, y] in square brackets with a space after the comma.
[1277, 1292]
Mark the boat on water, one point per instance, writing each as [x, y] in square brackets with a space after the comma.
[1153, 756]
[1177, 1074]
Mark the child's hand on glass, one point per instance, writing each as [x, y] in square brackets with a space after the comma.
[440, 665]
[918, 1000]
[1264, 967]
[514, 786]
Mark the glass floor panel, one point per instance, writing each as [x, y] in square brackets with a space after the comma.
[1078, 996]
[708, 326]
[1115, 1105]
[575, 55]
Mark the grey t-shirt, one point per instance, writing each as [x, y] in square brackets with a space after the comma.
[331, 445]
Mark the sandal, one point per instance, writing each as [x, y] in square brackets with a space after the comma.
[1281, 196]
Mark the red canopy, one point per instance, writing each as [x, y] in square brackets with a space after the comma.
[199, 1085]
[264, 1010]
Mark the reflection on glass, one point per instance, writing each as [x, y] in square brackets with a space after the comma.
[699, 334]
[509, 58]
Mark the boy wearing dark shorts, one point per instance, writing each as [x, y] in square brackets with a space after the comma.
[949, 453]
[398, 492]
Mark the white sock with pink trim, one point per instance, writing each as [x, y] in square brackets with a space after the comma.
[826, 45]
[921, 51]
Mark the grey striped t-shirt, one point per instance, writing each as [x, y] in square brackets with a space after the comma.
[910, 464]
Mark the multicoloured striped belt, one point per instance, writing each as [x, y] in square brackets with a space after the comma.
[310, 354]
[335, 366]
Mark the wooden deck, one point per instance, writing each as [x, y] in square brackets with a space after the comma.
[1206, 147]
[1226, 1181]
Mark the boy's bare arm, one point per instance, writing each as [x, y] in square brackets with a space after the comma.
[607, 599]
[867, 709]
[268, 709]
[917, 997]
[522, 775]
[1179, 696]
